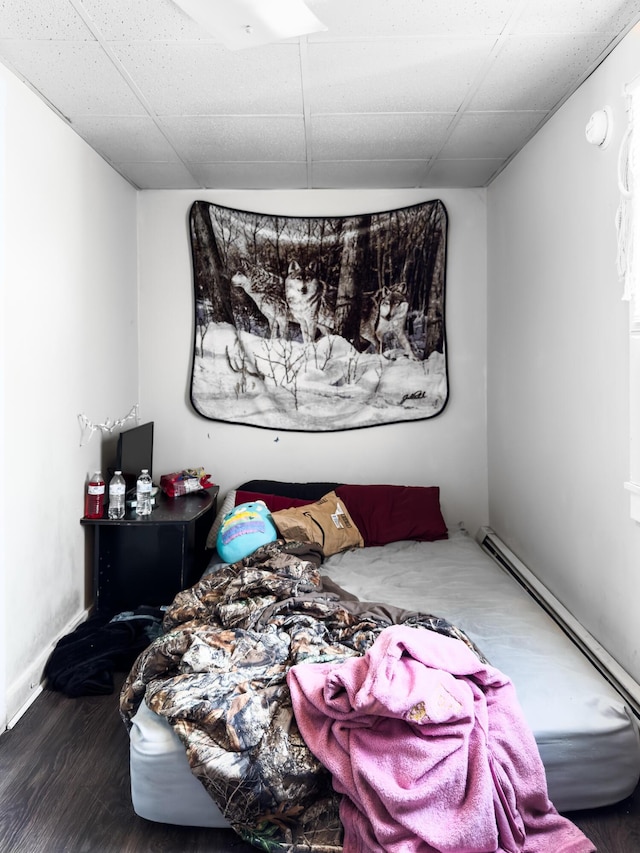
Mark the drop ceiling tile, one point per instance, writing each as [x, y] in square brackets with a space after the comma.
[462, 173]
[130, 139]
[143, 20]
[390, 174]
[408, 60]
[364, 18]
[398, 136]
[158, 176]
[422, 75]
[207, 79]
[209, 139]
[490, 134]
[251, 176]
[77, 77]
[535, 72]
[551, 16]
[47, 19]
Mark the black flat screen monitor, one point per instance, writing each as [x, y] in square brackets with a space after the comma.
[135, 452]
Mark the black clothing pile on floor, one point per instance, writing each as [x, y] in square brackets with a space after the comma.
[83, 662]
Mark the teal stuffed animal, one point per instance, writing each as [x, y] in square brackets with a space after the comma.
[244, 529]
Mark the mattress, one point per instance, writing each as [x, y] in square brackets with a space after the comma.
[586, 734]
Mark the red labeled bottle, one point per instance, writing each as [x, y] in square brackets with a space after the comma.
[94, 498]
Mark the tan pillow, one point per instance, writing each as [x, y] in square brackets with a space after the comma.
[326, 522]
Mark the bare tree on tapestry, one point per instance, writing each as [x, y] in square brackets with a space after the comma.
[319, 323]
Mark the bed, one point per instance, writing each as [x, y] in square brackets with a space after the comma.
[413, 565]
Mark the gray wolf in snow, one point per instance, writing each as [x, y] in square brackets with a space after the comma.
[266, 290]
[387, 317]
[306, 298]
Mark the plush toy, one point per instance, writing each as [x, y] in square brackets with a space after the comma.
[244, 529]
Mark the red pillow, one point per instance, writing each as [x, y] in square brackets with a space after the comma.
[391, 513]
[274, 502]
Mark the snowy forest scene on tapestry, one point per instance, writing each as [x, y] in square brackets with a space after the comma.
[319, 323]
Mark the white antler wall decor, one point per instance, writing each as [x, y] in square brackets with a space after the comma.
[88, 428]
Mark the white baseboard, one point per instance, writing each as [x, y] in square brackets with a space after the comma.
[24, 692]
[37, 690]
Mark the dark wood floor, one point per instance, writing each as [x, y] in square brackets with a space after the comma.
[64, 788]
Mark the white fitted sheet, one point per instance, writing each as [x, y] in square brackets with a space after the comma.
[587, 736]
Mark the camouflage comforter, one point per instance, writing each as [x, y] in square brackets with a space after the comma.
[218, 675]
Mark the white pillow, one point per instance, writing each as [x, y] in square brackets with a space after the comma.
[227, 505]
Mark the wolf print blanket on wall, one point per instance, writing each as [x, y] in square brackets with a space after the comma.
[319, 323]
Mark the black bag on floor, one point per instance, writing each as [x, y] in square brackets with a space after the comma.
[83, 662]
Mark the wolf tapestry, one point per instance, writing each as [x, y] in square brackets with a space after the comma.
[319, 323]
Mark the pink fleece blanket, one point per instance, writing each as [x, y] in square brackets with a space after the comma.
[430, 750]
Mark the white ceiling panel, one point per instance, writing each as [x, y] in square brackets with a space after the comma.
[411, 136]
[251, 176]
[534, 72]
[570, 16]
[77, 77]
[142, 20]
[410, 75]
[209, 139]
[416, 93]
[56, 19]
[207, 79]
[490, 134]
[159, 176]
[462, 173]
[126, 138]
[366, 19]
[382, 174]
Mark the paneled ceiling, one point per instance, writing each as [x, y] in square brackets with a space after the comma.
[395, 93]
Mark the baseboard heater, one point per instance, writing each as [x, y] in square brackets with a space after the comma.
[619, 679]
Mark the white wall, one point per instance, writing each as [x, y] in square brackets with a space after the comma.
[558, 396]
[448, 450]
[69, 283]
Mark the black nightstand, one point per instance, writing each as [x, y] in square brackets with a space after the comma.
[140, 560]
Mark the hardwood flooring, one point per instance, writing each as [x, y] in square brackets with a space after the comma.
[64, 788]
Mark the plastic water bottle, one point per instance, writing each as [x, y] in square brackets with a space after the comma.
[94, 498]
[117, 489]
[143, 493]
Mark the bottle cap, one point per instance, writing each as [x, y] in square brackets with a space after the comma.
[145, 470]
[117, 472]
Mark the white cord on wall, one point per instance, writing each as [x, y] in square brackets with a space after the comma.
[626, 214]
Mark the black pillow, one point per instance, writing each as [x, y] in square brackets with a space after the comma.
[301, 491]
